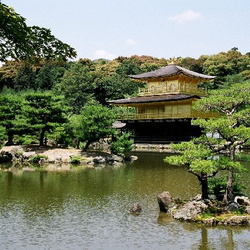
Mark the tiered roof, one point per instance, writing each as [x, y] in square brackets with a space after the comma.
[151, 99]
[171, 70]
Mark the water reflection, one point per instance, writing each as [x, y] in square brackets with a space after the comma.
[87, 208]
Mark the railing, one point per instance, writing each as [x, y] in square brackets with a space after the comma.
[154, 116]
[163, 90]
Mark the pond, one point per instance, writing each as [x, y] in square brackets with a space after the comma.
[87, 208]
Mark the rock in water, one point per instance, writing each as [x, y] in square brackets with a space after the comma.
[190, 210]
[164, 201]
[135, 209]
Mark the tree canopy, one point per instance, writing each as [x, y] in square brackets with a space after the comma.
[222, 136]
[19, 41]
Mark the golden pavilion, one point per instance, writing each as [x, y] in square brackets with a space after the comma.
[162, 112]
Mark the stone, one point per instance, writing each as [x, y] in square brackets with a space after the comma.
[131, 158]
[233, 206]
[114, 158]
[242, 200]
[247, 209]
[236, 220]
[5, 156]
[198, 197]
[164, 201]
[28, 155]
[210, 221]
[135, 209]
[190, 210]
[99, 159]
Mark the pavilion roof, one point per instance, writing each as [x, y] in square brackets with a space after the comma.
[171, 70]
[152, 99]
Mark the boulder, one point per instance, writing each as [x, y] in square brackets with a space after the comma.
[28, 155]
[190, 210]
[233, 206]
[99, 159]
[135, 209]
[131, 158]
[164, 201]
[114, 158]
[242, 200]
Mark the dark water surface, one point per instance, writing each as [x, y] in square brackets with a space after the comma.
[87, 208]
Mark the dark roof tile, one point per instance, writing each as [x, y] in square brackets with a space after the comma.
[148, 99]
[171, 70]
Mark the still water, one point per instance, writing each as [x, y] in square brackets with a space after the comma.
[87, 208]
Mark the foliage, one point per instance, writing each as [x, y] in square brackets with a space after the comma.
[2, 135]
[199, 160]
[19, 41]
[11, 113]
[75, 159]
[121, 144]
[217, 186]
[94, 122]
[232, 127]
[45, 112]
[37, 158]
[77, 85]
[208, 154]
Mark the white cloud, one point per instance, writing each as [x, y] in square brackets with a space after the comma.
[103, 54]
[130, 42]
[186, 16]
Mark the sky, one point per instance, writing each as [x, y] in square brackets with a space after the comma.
[158, 28]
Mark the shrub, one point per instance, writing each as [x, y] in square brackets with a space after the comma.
[121, 144]
[75, 159]
[217, 186]
[37, 158]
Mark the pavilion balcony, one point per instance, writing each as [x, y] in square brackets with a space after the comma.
[164, 90]
[161, 116]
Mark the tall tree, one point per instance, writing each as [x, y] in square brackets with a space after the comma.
[232, 127]
[45, 112]
[94, 123]
[11, 115]
[198, 158]
[224, 135]
[78, 84]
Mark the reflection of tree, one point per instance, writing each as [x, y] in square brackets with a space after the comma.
[230, 239]
[204, 239]
[229, 244]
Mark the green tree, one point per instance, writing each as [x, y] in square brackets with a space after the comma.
[19, 41]
[48, 76]
[25, 78]
[224, 135]
[232, 127]
[11, 115]
[94, 123]
[115, 87]
[77, 85]
[199, 160]
[44, 112]
[121, 143]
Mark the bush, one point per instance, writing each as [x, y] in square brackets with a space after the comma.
[37, 158]
[217, 186]
[75, 159]
[121, 144]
